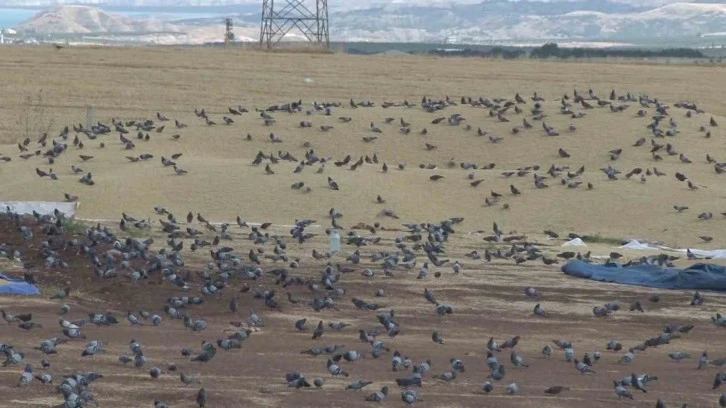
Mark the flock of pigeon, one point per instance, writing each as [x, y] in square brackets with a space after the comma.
[264, 267]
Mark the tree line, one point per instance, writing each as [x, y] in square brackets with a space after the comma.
[552, 50]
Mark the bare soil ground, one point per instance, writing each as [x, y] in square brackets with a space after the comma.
[487, 297]
[136, 83]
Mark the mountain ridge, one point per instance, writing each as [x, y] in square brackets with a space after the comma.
[483, 22]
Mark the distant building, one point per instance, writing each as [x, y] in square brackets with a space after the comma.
[450, 50]
[452, 39]
[7, 35]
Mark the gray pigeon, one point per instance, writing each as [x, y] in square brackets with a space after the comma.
[92, 348]
[582, 367]
[411, 380]
[703, 360]
[335, 370]
[155, 372]
[133, 319]
[446, 376]
[202, 397]
[188, 379]
[409, 396]
[678, 355]
[139, 359]
[492, 361]
[614, 345]
[208, 352]
[637, 383]
[319, 330]
[517, 359]
[627, 357]
[498, 374]
[44, 378]
[457, 365]
[300, 324]
[358, 385]
[27, 376]
[621, 392]
[378, 396]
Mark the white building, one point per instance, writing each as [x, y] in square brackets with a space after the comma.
[452, 39]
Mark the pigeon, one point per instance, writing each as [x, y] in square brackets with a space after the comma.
[409, 397]
[703, 360]
[621, 392]
[678, 355]
[582, 367]
[188, 379]
[446, 376]
[358, 385]
[319, 330]
[335, 370]
[517, 360]
[378, 396]
[556, 389]
[300, 324]
[614, 345]
[637, 383]
[201, 398]
[27, 376]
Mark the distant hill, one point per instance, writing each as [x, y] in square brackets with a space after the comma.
[90, 20]
[526, 20]
[433, 21]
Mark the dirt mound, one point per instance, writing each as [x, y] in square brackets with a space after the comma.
[59, 253]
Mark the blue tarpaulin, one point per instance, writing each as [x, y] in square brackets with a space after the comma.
[698, 276]
[16, 286]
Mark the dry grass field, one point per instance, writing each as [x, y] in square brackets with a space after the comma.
[43, 90]
[135, 83]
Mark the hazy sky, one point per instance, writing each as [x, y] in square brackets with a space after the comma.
[422, 2]
[638, 2]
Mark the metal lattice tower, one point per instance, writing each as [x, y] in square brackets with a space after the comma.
[279, 17]
[228, 31]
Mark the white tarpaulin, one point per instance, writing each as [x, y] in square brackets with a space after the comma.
[635, 244]
[575, 242]
[715, 253]
[41, 207]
